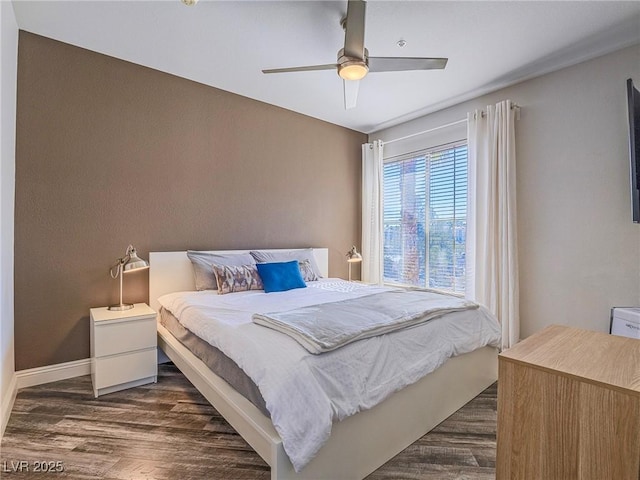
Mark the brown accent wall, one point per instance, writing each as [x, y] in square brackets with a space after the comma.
[110, 153]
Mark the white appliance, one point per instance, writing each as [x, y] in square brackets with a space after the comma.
[625, 322]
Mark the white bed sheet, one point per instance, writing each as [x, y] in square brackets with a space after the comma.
[305, 393]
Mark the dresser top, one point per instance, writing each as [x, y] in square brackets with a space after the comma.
[592, 356]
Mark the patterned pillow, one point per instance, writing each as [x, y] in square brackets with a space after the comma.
[236, 278]
[308, 275]
[202, 261]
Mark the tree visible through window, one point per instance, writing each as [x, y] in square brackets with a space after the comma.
[425, 218]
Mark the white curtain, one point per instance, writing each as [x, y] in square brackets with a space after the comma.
[372, 212]
[492, 253]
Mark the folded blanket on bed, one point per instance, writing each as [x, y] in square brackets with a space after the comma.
[325, 327]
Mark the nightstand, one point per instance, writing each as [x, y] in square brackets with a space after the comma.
[123, 348]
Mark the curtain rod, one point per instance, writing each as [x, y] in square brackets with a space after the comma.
[457, 122]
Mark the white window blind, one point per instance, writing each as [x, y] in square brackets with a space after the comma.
[424, 212]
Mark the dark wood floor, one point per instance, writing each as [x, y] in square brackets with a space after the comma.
[168, 431]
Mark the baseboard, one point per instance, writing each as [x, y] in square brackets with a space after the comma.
[61, 371]
[53, 373]
[7, 404]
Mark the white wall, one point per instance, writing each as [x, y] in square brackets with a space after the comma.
[9, 62]
[579, 250]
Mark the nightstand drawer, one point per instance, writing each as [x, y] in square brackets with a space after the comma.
[125, 336]
[125, 368]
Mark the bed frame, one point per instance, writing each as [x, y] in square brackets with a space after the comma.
[359, 444]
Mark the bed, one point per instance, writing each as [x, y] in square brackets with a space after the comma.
[355, 447]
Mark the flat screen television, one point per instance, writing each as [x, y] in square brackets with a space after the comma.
[633, 97]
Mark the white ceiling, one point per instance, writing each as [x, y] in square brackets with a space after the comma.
[226, 44]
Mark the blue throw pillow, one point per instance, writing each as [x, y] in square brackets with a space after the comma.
[280, 276]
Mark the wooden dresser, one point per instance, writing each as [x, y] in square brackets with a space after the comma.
[569, 407]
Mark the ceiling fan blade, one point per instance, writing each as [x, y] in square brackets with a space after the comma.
[354, 29]
[351, 88]
[395, 64]
[310, 68]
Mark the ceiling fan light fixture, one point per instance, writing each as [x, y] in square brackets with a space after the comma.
[353, 70]
[353, 62]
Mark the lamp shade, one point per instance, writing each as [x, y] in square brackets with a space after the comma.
[353, 255]
[133, 262]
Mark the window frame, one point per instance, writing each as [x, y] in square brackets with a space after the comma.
[426, 152]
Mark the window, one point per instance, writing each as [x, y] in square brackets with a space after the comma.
[425, 218]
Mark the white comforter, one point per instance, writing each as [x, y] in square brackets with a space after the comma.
[305, 393]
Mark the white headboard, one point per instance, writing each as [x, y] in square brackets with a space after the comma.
[172, 271]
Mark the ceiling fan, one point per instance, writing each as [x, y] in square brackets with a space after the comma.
[354, 61]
